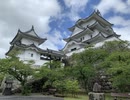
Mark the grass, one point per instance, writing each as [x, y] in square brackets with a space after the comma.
[85, 97]
[79, 97]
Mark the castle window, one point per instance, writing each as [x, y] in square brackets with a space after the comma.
[43, 57]
[82, 38]
[31, 54]
[91, 36]
[73, 49]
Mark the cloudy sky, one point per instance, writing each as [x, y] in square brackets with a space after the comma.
[52, 18]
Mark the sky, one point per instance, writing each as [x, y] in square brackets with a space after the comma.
[52, 18]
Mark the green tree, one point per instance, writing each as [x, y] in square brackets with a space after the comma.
[58, 78]
[85, 66]
[67, 86]
[117, 64]
[19, 70]
[112, 46]
[72, 86]
[60, 86]
[52, 71]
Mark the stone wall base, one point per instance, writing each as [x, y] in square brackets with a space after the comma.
[96, 96]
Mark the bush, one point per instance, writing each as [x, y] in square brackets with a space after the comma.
[60, 86]
[26, 90]
[67, 86]
[72, 87]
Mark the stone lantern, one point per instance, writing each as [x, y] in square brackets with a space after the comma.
[8, 87]
[96, 94]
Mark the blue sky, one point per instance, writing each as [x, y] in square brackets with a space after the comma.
[52, 18]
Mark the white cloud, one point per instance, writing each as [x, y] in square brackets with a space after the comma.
[118, 20]
[2, 51]
[124, 32]
[15, 14]
[117, 6]
[75, 6]
[121, 26]
[54, 39]
[128, 1]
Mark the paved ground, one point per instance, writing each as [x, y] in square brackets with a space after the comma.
[29, 98]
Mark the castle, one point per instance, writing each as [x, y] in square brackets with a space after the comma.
[27, 43]
[93, 30]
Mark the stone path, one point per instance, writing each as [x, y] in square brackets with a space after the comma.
[29, 98]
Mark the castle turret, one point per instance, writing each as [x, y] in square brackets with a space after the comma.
[93, 30]
[27, 45]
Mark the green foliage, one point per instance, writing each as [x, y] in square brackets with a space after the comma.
[26, 90]
[72, 86]
[68, 86]
[60, 86]
[53, 65]
[86, 65]
[112, 59]
[19, 70]
[58, 78]
[53, 73]
[117, 64]
[112, 46]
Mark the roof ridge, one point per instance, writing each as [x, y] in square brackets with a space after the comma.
[32, 29]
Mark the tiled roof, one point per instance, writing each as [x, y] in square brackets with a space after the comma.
[28, 34]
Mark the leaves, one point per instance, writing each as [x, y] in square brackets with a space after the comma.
[19, 70]
[117, 64]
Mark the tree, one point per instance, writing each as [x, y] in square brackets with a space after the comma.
[85, 66]
[52, 71]
[72, 86]
[112, 46]
[94, 62]
[67, 86]
[117, 64]
[57, 77]
[19, 70]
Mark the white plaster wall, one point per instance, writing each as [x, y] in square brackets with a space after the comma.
[88, 35]
[76, 30]
[28, 41]
[95, 46]
[70, 46]
[26, 56]
[73, 46]
[76, 51]
[32, 33]
[95, 32]
[101, 43]
[89, 23]
[112, 39]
